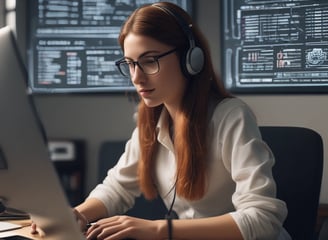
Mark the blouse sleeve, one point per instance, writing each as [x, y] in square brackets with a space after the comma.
[120, 187]
[259, 214]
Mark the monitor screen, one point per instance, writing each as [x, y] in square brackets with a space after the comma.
[275, 46]
[73, 46]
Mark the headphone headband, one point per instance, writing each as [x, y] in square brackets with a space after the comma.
[182, 23]
[193, 61]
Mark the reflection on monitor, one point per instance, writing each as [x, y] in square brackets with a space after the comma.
[73, 44]
[275, 46]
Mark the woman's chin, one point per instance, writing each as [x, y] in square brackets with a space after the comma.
[151, 103]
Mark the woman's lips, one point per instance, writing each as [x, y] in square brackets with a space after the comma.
[145, 92]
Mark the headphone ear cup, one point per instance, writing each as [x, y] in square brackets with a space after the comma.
[194, 60]
[184, 63]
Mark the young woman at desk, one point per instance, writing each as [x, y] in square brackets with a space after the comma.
[195, 145]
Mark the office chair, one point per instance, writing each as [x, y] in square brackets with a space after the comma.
[109, 154]
[298, 172]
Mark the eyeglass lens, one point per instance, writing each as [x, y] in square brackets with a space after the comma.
[148, 65]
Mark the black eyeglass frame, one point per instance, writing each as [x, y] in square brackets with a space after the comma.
[156, 58]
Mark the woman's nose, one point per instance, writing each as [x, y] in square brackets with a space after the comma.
[138, 76]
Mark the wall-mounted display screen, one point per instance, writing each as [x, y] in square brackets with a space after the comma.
[73, 44]
[273, 46]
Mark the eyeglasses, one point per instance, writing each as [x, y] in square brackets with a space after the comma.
[148, 64]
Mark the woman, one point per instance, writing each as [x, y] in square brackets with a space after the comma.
[196, 146]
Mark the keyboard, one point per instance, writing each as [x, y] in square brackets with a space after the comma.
[16, 237]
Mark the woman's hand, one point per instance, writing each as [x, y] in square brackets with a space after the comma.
[122, 227]
[36, 231]
[81, 220]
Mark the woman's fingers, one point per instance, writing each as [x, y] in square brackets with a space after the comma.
[36, 230]
[81, 220]
[33, 228]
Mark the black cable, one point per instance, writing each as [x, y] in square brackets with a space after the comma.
[169, 228]
[171, 215]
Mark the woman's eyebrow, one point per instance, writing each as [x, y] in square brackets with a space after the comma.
[144, 54]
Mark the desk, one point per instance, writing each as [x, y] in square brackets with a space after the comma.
[24, 231]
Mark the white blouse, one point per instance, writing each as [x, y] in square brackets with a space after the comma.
[239, 178]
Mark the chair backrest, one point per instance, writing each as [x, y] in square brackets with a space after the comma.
[109, 154]
[298, 173]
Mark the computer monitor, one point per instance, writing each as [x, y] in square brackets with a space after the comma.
[73, 45]
[275, 46]
[28, 180]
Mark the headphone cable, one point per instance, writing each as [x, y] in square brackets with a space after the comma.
[169, 216]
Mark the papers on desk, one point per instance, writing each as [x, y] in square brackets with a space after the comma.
[6, 226]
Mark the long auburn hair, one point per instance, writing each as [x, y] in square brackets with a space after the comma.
[191, 125]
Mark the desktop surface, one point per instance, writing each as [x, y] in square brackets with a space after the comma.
[22, 233]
